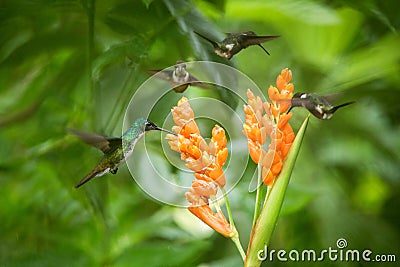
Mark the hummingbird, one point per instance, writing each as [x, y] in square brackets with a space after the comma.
[179, 78]
[116, 150]
[235, 42]
[319, 106]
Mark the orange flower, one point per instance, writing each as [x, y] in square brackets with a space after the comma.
[274, 124]
[198, 196]
[206, 160]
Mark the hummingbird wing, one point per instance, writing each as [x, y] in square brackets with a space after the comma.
[331, 97]
[195, 82]
[250, 38]
[161, 74]
[214, 43]
[253, 39]
[105, 144]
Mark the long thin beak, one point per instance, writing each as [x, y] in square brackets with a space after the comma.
[264, 49]
[164, 130]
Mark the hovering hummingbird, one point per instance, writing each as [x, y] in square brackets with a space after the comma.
[179, 78]
[116, 150]
[235, 42]
[319, 106]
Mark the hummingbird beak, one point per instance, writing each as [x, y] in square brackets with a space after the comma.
[264, 49]
[164, 130]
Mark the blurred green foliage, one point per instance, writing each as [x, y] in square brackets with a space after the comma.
[75, 64]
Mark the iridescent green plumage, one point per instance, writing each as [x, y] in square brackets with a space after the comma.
[116, 150]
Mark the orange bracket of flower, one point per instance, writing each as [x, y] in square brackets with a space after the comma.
[269, 119]
[206, 160]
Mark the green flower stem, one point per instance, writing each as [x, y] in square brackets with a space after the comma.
[228, 207]
[238, 245]
[262, 232]
[235, 238]
[259, 194]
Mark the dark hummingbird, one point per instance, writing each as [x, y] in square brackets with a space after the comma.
[319, 106]
[116, 150]
[235, 42]
[179, 78]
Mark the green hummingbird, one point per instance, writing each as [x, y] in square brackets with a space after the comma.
[116, 150]
[235, 42]
[319, 106]
[179, 78]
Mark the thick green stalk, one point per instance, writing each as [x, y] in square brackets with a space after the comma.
[262, 232]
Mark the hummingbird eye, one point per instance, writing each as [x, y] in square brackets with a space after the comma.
[303, 95]
[150, 125]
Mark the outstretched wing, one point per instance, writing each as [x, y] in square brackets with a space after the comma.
[214, 43]
[195, 82]
[105, 144]
[161, 74]
[332, 97]
[253, 39]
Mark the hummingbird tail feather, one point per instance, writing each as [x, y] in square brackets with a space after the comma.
[87, 178]
[342, 105]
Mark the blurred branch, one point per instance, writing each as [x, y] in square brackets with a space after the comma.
[19, 116]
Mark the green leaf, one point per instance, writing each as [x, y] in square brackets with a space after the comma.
[262, 231]
[132, 51]
[147, 3]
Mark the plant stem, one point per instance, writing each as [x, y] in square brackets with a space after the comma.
[235, 239]
[228, 207]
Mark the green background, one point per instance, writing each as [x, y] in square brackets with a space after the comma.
[75, 64]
